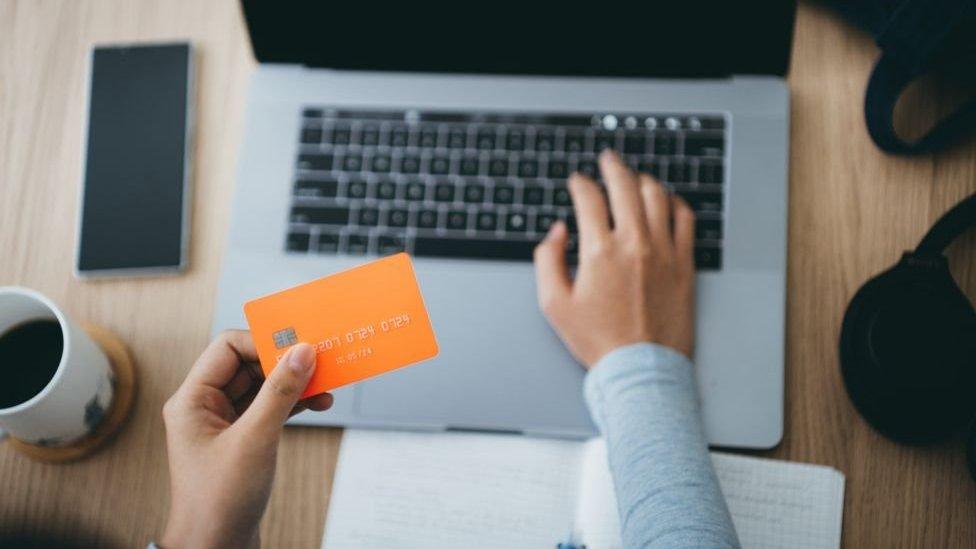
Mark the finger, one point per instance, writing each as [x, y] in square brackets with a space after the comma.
[280, 391]
[592, 215]
[243, 403]
[625, 200]
[320, 403]
[551, 273]
[297, 409]
[317, 403]
[657, 209]
[239, 385]
[684, 231]
[221, 360]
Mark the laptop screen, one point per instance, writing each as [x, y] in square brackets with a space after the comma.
[675, 38]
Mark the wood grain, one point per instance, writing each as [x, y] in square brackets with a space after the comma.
[852, 211]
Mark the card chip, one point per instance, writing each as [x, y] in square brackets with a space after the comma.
[285, 338]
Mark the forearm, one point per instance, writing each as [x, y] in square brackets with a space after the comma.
[644, 400]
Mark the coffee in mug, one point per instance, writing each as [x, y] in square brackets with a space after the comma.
[56, 384]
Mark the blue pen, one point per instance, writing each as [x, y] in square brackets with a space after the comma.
[571, 543]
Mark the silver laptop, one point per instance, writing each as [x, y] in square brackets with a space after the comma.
[450, 135]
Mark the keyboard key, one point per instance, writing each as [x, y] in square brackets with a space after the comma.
[545, 141]
[369, 217]
[603, 141]
[341, 135]
[457, 138]
[312, 136]
[474, 193]
[533, 195]
[632, 161]
[679, 171]
[561, 196]
[428, 137]
[370, 135]
[515, 141]
[588, 168]
[710, 172]
[356, 189]
[385, 190]
[543, 221]
[498, 167]
[390, 244]
[486, 139]
[320, 215]
[410, 164]
[328, 243]
[444, 192]
[515, 222]
[297, 242]
[469, 165]
[702, 145]
[440, 165]
[427, 219]
[652, 167]
[356, 244]
[503, 194]
[712, 122]
[352, 163]
[457, 220]
[312, 113]
[415, 191]
[703, 201]
[558, 169]
[319, 162]
[381, 163]
[528, 168]
[573, 143]
[664, 143]
[571, 225]
[635, 143]
[708, 258]
[399, 137]
[484, 248]
[327, 188]
[397, 217]
[486, 221]
[708, 229]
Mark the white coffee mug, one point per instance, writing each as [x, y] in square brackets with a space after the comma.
[79, 393]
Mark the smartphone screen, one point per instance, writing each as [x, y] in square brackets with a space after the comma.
[134, 198]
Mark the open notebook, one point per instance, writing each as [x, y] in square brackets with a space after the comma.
[434, 490]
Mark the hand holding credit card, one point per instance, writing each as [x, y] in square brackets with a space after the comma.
[363, 322]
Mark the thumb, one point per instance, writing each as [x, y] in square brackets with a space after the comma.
[282, 389]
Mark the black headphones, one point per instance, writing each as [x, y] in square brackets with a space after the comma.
[908, 344]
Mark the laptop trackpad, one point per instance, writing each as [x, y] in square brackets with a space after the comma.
[500, 366]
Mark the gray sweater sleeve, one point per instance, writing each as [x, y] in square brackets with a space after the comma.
[644, 400]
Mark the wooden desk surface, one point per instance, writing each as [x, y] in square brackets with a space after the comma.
[852, 212]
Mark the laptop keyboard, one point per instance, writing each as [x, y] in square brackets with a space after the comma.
[484, 185]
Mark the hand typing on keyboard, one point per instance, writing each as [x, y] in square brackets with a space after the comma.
[635, 281]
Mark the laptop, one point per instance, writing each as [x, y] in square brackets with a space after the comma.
[450, 133]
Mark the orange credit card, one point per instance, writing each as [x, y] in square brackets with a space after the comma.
[363, 322]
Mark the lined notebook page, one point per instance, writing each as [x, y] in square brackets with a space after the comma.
[433, 490]
[782, 504]
[773, 503]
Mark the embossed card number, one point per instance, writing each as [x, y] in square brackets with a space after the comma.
[362, 322]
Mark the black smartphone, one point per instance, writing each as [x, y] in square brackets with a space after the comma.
[134, 215]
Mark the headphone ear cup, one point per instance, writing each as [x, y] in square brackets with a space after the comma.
[908, 352]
